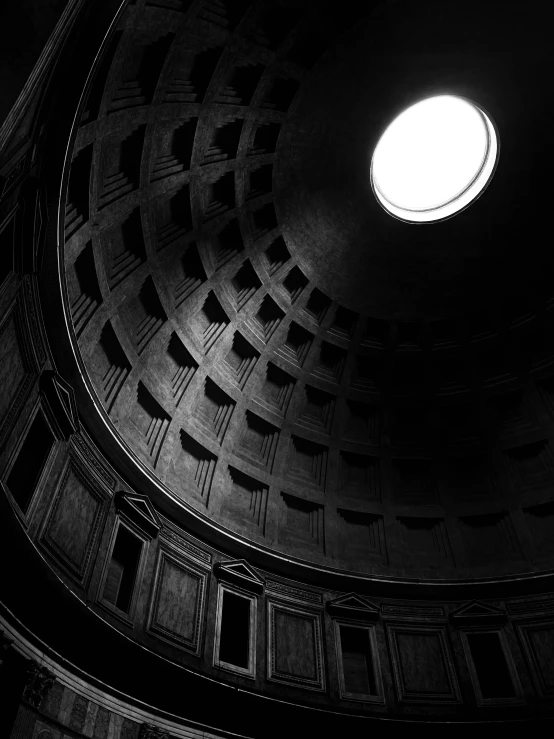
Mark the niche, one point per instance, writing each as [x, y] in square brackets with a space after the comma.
[492, 671]
[30, 461]
[235, 632]
[121, 576]
[359, 673]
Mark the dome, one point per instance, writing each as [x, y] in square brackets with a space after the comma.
[268, 348]
[278, 403]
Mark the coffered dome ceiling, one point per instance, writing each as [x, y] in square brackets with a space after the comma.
[273, 350]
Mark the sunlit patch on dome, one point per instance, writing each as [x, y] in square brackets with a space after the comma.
[434, 159]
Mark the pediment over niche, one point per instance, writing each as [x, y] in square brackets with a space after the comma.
[475, 612]
[240, 573]
[353, 607]
[59, 404]
[141, 512]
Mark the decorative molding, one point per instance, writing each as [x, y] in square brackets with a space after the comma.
[387, 608]
[59, 403]
[140, 511]
[192, 551]
[538, 606]
[291, 593]
[476, 613]
[240, 573]
[28, 308]
[38, 682]
[86, 454]
[148, 731]
[353, 607]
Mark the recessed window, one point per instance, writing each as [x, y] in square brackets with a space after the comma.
[121, 575]
[357, 665]
[434, 159]
[235, 642]
[359, 672]
[490, 666]
[234, 636]
[30, 462]
[492, 670]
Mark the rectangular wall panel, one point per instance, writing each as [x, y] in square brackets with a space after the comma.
[422, 664]
[71, 530]
[15, 380]
[12, 369]
[295, 647]
[538, 644]
[178, 602]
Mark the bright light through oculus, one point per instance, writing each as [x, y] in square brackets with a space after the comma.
[434, 159]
